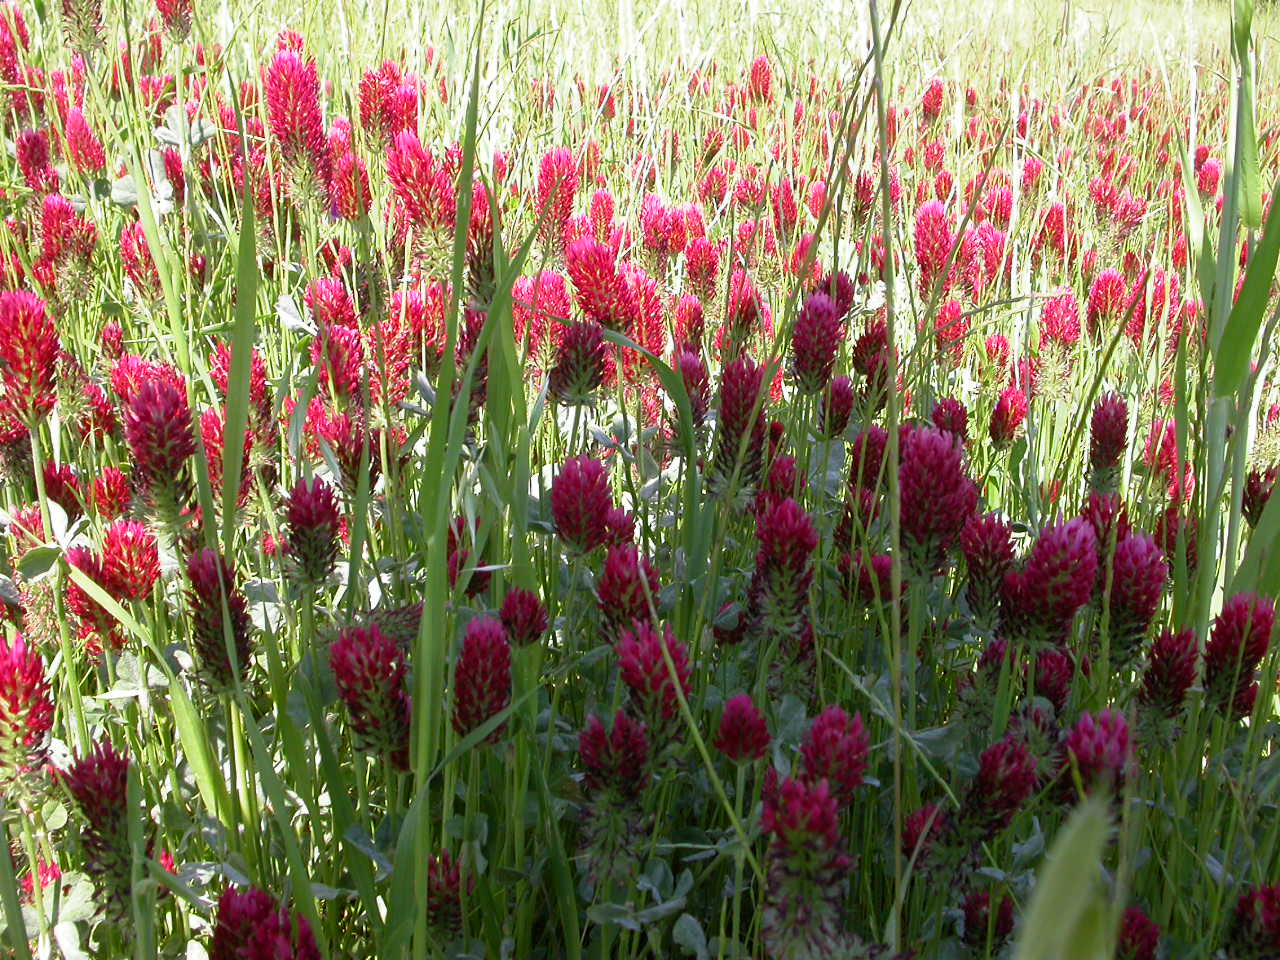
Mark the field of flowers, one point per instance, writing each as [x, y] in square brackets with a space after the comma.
[534, 482]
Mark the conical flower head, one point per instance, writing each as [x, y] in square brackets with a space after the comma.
[1170, 672]
[292, 89]
[1254, 930]
[482, 677]
[580, 502]
[802, 915]
[251, 925]
[1138, 576]
[598, 285]
[130, 559]
[1238, 642]
[369, 669]
[642, 658]
[524, 617]
[1139, 936]
[617, 760]
[814, 341]
[1007, 417]
[740, 433]
[627, 586]
[158, 429]
[837, 407]
[937, 496]
[98, 784]
[835, 750]
[579, 364]
[743, 735]
[29, 350]
[1099, 748]
[313, 524]
[211, 584]
[1108, 438]
[1006, 778]
[26, 709]
[1042, 599]
[444, 894]
[784, 564]
[950, 414]
[987, 545]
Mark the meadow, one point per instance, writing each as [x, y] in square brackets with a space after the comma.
[539, 480]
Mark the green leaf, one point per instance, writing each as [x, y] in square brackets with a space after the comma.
[199, 753]
[1061, 917]
[1231, 364]
[38, 561]
[689, 936]
[242, 338]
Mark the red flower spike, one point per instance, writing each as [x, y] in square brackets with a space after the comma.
[482, 677]
[1170, 672]
[580, 503]
[524, 617]
[743, 736]
[835, 749]
[370, 669]
[29, 350]
[616, 761]
[252, 924]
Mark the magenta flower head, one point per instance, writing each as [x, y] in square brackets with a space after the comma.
[482, 677]
[598, 285]
[987, 544]
[866, 458]
[369, 668]
[867, 578]
[1258, 487]
[984, 928]
[580, 502]
[1007, 417]
[176, 16]
[697, 384]
[837, 407]
[1051, 677]
[922, 829]
[949, 414]
[312, 523]
[158, 429]
[1238, 642]
[803, 891]
[835, 749]
[740, 434]
[1108, 438]
[445, 885]
[1099, 749]
[579, 364]
[27, 709]
[616, 762]
[784, 564]
[524, 617]
[652, 686]
[937, 496]
[252, 924]
[29, 349]
[743, 735]
[1170, 672]
[292, 90]
[1042, 599]
[1254, 930]
[130, 559]
[1006, 778]
[1138, 576]
[557, 184]
[815, 339]
[627, 586]
[1139, 936]
[98, 785]
[211, 583]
